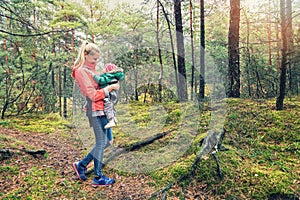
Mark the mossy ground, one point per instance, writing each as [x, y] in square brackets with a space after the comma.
[261, 160]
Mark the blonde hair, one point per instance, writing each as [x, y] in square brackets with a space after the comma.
[85, 49]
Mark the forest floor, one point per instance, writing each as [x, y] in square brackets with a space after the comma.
[261, 161]
[26, 176]
[51, 175]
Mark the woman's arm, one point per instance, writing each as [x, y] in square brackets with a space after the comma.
[87, 86]
[111, 87]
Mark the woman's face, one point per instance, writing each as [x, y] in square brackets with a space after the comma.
[92, 57]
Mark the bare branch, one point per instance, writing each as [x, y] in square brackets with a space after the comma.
[33, 35]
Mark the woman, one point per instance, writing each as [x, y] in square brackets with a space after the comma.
[83, 71]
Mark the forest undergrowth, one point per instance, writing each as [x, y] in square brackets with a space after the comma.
[259, 158]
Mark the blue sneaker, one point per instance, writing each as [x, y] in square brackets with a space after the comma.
[80, 171]
[103, 181]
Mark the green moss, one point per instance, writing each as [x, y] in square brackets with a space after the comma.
[47, 123]
[12, 142]
[262, 157]
[173, 117]
[12, 170]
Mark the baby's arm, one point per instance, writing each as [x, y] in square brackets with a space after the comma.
[106, 78]
[103, 79]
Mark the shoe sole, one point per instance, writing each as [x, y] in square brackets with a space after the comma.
[76, 170]
[95, 185]
[107, 127]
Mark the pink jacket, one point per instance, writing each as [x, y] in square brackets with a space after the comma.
[88, 87]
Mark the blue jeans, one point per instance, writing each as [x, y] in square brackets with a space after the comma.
[97, 152]
[109, 134]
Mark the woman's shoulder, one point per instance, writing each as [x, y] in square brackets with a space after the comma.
[84, 69]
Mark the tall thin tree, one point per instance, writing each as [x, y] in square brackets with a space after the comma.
[233, 75]
[182, 91]
[269, 34]
[290, 48]
[159, 53]
[172, 44]
[192, 49]
[282, 77]
[202, 51]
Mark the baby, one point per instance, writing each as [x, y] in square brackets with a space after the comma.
[111, 74]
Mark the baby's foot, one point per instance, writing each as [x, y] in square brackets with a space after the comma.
[110, 124]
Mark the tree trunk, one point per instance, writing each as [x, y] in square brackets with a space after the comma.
[290, 49]
[182, 90]
[202, 52]
[92, 19]
[233, 76]
[59, 91]
[172, 45]
[193, 52]
[65, 111]
[269, 34]
[33, 55]
[4, 107]
[52, 68]
[159, 56]
[282, 85]
[135, 70]
[65, 91]
[278, 48]
[248, 57]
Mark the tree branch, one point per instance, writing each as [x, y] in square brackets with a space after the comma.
[19, 18]
[33, 35]
[133, 147]
[7, 153]
[211, 143]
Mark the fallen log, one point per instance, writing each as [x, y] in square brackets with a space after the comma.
[7, 153]
[34, 153]
[133, 147]
[210, 145]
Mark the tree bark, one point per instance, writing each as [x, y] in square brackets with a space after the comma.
[172, 45]
[133, 147]
[210, 145]
[248, 57]
[277, 48]
[202, 52]
[159, 55]
[8, 153]
[290, 49]
[233, 76]
[193, 52]
[182, 90]
[65, 91]
[269, 34]
[59, 91]
[282, 77]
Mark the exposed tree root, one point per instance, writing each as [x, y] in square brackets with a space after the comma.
[8, 153]
[210, 145]
[133, 147]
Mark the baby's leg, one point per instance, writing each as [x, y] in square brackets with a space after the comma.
[109, 112]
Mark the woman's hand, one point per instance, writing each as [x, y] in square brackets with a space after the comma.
[115, 86]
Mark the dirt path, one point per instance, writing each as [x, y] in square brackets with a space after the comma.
[16, 177]
[61, 153]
